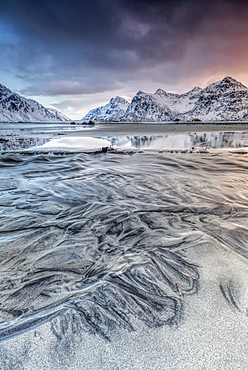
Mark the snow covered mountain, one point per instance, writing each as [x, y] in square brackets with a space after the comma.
[223, 100]
[160, 106]
[113, 111]
[15, 108]
[58, 116]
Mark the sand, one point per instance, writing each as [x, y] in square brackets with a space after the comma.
[124, 261]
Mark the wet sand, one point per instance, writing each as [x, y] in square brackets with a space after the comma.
[124, 262]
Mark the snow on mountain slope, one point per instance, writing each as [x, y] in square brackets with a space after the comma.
[58, 115]
[114, 110]
[148, 107]
[161, 106]
[15, 108]
[223, 100]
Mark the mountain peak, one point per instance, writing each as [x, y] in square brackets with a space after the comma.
[226, 85]
[160, 92]
[4, 90]
[140, 92]
[113, 110]
[118, 99]
[15, 108]
[196, 88]
[226, 99]
[229, 79]
[229, 83]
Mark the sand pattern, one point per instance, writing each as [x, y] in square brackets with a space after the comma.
[92, 243]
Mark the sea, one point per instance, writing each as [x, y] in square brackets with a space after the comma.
[123, 248]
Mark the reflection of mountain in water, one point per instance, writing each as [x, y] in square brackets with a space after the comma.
[211, 139]
[8, 143]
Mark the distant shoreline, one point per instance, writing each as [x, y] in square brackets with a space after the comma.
[111, 128]
[108, 128]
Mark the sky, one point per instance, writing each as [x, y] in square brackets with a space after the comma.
[74, 55]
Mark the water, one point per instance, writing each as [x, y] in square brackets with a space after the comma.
[73, 138]
[101, 243]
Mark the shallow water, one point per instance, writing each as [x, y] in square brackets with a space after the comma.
[97, 243]
[19, 137]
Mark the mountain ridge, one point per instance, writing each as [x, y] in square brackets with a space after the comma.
[16, 108]
[113, 110]
[226, 99]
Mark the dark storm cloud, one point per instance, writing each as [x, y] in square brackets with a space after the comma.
[87, 45]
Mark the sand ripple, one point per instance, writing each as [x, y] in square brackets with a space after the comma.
[90, 242]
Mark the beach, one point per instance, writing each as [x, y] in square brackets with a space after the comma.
[134, 259]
